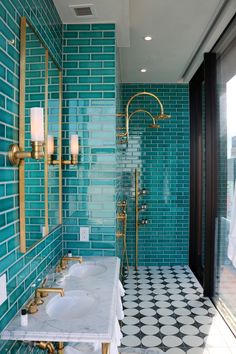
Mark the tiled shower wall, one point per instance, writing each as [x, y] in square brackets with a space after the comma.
[162, 158]
[22, 270]
[89, 107]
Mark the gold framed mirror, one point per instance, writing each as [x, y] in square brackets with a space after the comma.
[38, 212]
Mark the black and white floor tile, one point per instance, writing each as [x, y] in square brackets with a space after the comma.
[165, 312]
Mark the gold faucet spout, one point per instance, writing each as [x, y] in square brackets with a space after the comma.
[66, 259]
[39, 291]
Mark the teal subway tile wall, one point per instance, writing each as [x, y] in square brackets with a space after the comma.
[22, 270]
[105, 173]
[162, 157]
[89, 108]
[34, 170]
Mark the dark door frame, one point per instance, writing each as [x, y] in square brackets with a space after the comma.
[207, 74]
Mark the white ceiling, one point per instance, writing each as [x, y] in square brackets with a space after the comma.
[178, 29]
[106, 11]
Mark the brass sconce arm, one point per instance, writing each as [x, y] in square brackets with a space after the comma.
[74, 147]
[72, 161]
[15, 155]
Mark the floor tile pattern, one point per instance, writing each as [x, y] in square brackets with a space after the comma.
[166, 312]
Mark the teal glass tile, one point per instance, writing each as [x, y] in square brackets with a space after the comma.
[103, 56]
[6, 89]
[90, 49]
[90, 80]
[77, 27]
[6, 204]
[103, 26]
[103, 87]
[90, 34]
[102, 72]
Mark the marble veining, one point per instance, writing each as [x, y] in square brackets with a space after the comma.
[96, 325]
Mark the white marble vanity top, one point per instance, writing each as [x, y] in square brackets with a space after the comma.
[96, 325]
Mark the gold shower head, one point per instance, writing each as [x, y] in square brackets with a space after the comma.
[154, 126]
[162, 116]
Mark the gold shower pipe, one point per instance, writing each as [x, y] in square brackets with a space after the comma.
[162, 115]
[145, 111]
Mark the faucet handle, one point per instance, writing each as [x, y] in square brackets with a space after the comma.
[32, 307]
[64, 263]
[38, 300]
[58, 269]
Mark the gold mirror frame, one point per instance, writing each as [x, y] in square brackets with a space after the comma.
[23, 25]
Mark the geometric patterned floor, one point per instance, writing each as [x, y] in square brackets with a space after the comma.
[165, 312]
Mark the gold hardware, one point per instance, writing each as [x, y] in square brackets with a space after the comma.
[128, 116]
[60, 348]
[51, 161]
[120, 115]
[44, 294]
[15, 155]
[123, 204]
[72, 161]
[32, 307]
[23, 24]
[121, 216]
[58, 269]
[143, 207]
[39, 291]
[105, 348]
[65, 259]
[121, 135]
[46, 346]
[120, 234]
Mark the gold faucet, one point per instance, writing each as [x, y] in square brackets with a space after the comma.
[32, 307]
[46, 346]
[39, 291]
[65, 260]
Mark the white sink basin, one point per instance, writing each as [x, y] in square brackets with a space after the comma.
[87, 269]
[75, 304]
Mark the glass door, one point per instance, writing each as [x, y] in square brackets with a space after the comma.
[225, 275]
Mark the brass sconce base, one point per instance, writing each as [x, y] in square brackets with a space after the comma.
[12, 155]
[15, 155]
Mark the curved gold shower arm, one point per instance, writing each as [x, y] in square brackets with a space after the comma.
[146, 94]
[131, 99]
[142, 110]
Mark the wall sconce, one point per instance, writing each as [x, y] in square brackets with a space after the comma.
[50, 153]
[37, 139]
[74, 151]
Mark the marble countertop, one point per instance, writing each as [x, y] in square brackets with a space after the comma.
[96, 325]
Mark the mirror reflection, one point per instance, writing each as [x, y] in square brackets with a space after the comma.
[34, 170]
[54, 142]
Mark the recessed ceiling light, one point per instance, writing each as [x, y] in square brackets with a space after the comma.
[143, 70]
[148, 38]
